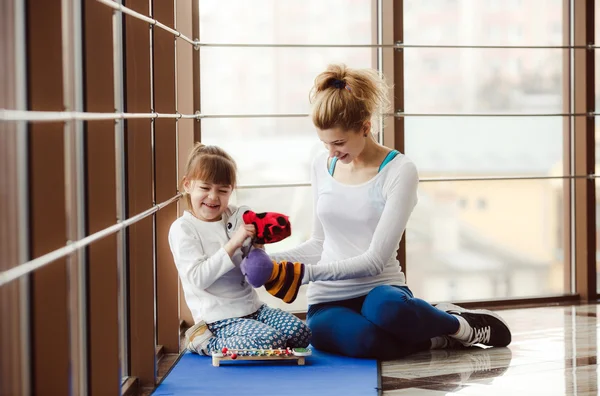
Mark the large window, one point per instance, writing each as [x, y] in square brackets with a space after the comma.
[486, 239]
[472, 113]
[271, 81]
[495, 238]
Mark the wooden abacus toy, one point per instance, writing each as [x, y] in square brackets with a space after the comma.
[261, 354]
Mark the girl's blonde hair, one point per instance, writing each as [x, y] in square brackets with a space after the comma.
[210, 164]
[346, 98]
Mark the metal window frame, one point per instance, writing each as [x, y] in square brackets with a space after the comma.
[139, 191]
[582, 154]
[75, 200]
[186, 73]
[48, 224]
[102, 68]
[15, 369]
[67, 300]
[165, 176]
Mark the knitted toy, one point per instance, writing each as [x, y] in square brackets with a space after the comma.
[270, 227]
[285, 278]
[282, 279]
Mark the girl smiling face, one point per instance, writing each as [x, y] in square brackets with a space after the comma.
[208, 200]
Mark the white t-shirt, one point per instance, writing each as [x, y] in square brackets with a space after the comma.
[213, 284]
[356, 232]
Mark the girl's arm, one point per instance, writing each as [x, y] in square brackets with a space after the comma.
[401, 200]
[193, 264]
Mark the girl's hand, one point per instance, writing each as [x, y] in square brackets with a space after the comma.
[239, 237]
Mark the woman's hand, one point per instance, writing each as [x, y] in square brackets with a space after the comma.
[244, 232]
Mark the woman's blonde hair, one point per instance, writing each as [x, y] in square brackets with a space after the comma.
[347, 98]
[210, 164]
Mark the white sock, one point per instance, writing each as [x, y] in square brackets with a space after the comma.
[464, 329]
[439, 343]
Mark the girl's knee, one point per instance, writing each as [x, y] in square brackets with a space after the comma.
[304, 331]
[300, 337]
[274, 340]
[297, 333]
[277, 344]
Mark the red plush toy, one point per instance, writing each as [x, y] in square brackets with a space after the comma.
[270, 227]
[282, 279]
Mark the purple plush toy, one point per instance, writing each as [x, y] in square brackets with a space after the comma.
[257, 267]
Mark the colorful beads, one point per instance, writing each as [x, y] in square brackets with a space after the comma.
[257, 352]
[261, 354]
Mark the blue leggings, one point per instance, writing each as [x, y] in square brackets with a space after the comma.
[387, 323]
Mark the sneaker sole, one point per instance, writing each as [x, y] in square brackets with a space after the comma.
[451, 307]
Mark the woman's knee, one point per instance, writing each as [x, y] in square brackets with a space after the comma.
[388, 304]
[362, 342]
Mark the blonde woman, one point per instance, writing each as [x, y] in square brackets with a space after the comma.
[364, 194]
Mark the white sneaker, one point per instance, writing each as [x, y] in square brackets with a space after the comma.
[197, 338]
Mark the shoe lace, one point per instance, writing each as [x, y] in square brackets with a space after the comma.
[481, 334]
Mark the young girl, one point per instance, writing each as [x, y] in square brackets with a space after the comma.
[227, 311]
[364, 193]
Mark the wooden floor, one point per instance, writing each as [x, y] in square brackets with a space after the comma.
[554, 352]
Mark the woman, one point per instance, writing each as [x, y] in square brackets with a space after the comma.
[364, 193]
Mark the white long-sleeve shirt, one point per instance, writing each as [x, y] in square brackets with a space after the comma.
[356, 232]
[212, 282]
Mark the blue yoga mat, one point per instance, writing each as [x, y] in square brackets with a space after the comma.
[323, 374]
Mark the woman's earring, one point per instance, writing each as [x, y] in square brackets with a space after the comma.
[366, 134]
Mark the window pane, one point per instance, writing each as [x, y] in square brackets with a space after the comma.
[267, 150]
[273, 81]
[483, 22]
[267, 80]
[277, 80]
[486, 239]
[483, 80]
[485, 146]
[287, 22]
[297, 203]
